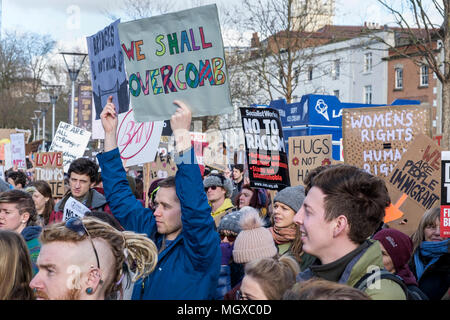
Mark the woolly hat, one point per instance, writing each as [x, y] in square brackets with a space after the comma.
[230, 222]
[293, 197]
[254, 241]
[219, 181]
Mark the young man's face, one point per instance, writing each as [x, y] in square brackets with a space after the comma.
[215, 193]
[237, 174]
[60, 272]
[168, 213]
[79, 184]
[11, 219]
[316, 233]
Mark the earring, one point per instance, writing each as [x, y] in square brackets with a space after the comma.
[90, 290]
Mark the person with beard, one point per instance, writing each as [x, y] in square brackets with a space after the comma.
[87, 259]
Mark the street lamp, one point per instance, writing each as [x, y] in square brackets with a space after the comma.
[33, 122]
[43, 113]
[53, 91]
[73, 61]
[37, 114]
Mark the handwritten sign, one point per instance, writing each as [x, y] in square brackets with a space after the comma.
[414, 184]
[307, 153]
[445, 195]
[49, 167]
[18, 150]
[137, 142]
[163, 166]
[176, 56]
[375, 138]
[71, 141]
[265, 148]
[74, 208]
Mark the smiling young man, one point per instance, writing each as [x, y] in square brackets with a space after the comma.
[218, 190]
[181, 224]
[82, 178]
[343, 208]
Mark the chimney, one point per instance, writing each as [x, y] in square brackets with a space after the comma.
[255, 40]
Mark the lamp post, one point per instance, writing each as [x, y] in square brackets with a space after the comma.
[73, 61]
[37, 114]
[33, 121]
[53, 91]
[43, 113]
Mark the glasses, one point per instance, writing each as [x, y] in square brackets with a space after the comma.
[212, 187]
[75, 224]
[240, 296]
[230, 237]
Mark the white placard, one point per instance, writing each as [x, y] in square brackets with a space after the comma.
[18, 150]
[71, 141]
[2, 173]
[74, 208]
[8, 161]
[137, 142]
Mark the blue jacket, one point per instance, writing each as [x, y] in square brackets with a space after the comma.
[188, 268]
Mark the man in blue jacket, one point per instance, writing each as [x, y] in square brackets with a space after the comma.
[181, 225]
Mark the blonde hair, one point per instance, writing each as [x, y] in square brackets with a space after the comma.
[274, 275]
[428, 219]
[15, 267]
[137, 250]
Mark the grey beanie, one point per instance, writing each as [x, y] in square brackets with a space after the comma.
[293, 197]
[216, 180]
[230, 222]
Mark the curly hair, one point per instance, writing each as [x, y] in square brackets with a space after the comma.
[84, 166]
[136, 250]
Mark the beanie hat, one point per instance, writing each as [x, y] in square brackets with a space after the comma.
[293, 197]
[254, 241]
[219, 181]
[230, 222]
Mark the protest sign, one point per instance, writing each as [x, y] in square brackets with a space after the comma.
[7, 151]
[48, 166]
[307, 153]
[137, 142]
[74, 208]
[18, 151]
[176, 56]
[2, 173]
[71, 141]
[445, 194]
[375, 138]
[414, 184]
[108, 75]
[85, 106]
[265, 148]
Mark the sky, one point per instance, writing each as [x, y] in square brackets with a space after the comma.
[70, 21]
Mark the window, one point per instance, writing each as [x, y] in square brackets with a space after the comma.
[310, 73]
[368, 94]
[424, 76]
[398, 78]
[336, 69]
[336, 93]
[368, 62]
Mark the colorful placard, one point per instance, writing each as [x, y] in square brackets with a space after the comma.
[176, 56]
[307, 153]
[18, 151]
[48, 166]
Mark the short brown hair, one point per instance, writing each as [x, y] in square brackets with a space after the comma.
[361, 197]
[320, 289]
[23, 201]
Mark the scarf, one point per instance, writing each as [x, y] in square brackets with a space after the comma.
[429, 249]
[283, 235]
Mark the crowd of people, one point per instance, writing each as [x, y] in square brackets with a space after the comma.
[212, 236]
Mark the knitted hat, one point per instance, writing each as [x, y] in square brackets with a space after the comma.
[254, 241]
[219, 181]
[230, 222]
[293, 197]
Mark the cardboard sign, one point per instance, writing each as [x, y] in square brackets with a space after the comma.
[137, 142]
[375, 138]
[176, 56]
[265, 148]
[445, 194]
[48, 166]
[71, 141]
[414, 185]
[74, 208]
[85, 106]
[108, 75]
[18, 150]
[307, 153]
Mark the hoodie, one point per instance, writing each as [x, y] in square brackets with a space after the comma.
[31, 235]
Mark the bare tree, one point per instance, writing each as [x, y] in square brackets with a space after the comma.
[427, 44]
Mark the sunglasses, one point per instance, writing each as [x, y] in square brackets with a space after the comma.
[76, 225]
[230, 237]
[212, 187]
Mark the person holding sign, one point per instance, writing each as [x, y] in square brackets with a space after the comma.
[430, 262]
[181, 224]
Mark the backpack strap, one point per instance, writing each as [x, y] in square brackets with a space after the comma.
[380, 274]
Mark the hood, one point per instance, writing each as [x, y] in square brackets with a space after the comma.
[31, 232]
[226, 205]
[98, 200]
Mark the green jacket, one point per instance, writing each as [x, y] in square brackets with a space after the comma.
[365, 262]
